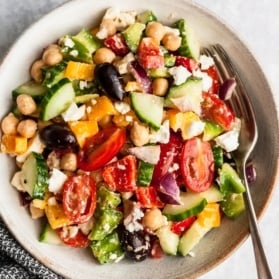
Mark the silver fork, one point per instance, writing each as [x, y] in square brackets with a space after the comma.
[242, 107]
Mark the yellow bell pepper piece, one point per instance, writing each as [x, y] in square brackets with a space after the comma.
[182, 121]
[83, 129]
[79, 70]
[14, 144]
[210, 216]
[56, 216]
[101, 107]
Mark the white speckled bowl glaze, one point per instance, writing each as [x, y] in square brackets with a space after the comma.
[219, 243]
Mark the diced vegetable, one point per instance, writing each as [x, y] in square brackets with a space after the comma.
[83, 130]
[230, 180]
[133, 34]
[49, 236]
[107, 250]
[57, 99]
[168, 240]
[190, 46]
[54, 74]
[105, 224]
[32, 88]
[35, 175]
[149, 108]
[13, 144]
[144, 173]
[78, 70]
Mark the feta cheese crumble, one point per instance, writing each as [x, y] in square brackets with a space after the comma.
[229, 140]
[179, 74]
[73, 113]
[206, 62]
[56, 180]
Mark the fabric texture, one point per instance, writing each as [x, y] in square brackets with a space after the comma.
[17, 263]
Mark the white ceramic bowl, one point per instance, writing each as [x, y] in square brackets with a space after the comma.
[219, 243]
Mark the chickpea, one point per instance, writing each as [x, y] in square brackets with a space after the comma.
[103, 55]
[69, 162]
[52, 55]
[36, 72]
[171, 42]
[153, 219]
[27, 128]
[9, 124]
[160, 86]
[139, 134]
[25, 104]
[155, 30]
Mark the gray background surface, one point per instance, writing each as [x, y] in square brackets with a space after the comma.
[257, 24]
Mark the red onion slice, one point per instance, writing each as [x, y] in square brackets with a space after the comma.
[168, 190]
[140, 76]
[227, 88]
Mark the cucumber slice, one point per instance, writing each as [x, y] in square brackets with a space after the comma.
[191, 238]
[35, 175]
[168, 240]
[57, 99]
[211, 130]
[190, 89]
[32, 88]
[148, 108]
[230, 180]
[233, 205]
[218, 156]
[80, 47]
[49, 236]
[159, 73]
[133, 34]
[53, 74]
[190, 46]
[146, 17]
[192, 204]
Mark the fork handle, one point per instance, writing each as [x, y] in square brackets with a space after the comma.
[263, 269]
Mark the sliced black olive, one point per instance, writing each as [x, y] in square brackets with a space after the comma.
[56, 136]
[109, 79]
[135, 244]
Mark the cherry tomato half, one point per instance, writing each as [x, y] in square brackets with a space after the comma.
[80, 240]
[217, 110]
[101, 148]
[197, 164]
[170, 154]
[79, 198]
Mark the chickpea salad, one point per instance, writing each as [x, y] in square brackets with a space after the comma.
[122, 139]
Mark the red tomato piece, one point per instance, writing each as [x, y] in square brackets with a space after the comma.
[188, 63]
[217, 111]
[121, 175]
[148, 197]
[80, 240]
[79, 198]
[170, 154]
[101, 148]
[149, 55]
[197, 164]
[212, 72]
[181, 226]
[117, 44]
